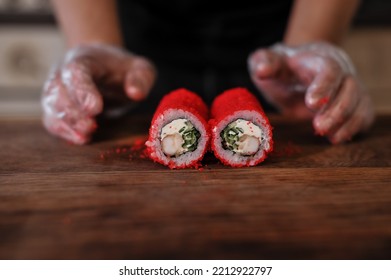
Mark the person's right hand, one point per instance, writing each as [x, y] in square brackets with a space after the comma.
[314, 81]
[89, 75]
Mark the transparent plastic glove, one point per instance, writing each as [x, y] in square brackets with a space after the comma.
[315, 81]
[88, 77]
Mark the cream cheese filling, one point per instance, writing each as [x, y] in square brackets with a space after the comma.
[242, 137]
[178, 137]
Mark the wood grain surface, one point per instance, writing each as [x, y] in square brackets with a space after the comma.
[308, 200]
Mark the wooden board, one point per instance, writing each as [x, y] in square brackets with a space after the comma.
[308, 200]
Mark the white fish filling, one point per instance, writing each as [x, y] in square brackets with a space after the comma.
[178, 137]
[242, 137]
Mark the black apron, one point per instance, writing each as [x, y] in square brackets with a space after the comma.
[198, 47]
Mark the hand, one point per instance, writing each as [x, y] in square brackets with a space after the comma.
[315, 81]
[90, 76]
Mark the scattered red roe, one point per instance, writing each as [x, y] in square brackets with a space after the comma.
[288, 150]
[135, 151]
[199, 167]
[324, 101]
[138, 149]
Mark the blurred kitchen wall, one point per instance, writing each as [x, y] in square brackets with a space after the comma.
[369, 45]
[30, 43]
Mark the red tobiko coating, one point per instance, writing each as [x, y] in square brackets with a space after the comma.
[227, 104]
[180, 99]
[185, 100]
[234, 100]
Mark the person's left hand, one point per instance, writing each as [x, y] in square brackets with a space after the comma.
[93, 79]
[315, 81]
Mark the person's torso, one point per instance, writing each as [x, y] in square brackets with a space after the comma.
[200, 33]
[200, 45]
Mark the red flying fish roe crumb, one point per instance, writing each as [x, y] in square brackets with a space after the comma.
[324, 101]
[287, 150]
[138, 149]
[135, 151]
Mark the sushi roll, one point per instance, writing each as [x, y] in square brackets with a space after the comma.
[179, 134]
[241, 132]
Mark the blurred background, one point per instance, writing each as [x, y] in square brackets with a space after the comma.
[30, 43]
